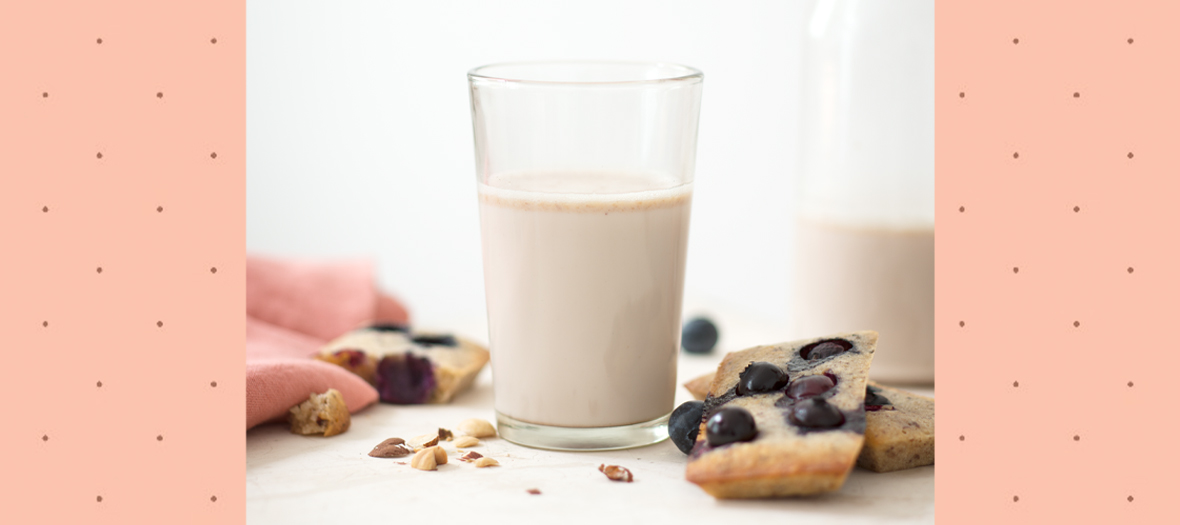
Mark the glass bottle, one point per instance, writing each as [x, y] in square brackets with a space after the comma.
[864, 248]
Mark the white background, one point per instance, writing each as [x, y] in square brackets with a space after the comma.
[359, 137]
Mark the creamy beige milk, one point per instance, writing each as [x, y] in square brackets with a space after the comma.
[584, 276]
[861, 277]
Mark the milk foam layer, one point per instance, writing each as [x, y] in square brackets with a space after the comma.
[584, 276]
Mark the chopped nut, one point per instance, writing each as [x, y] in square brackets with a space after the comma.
[477, 428]
[424, 460]
[440, 455]
[616, 473]
[486, 462]
[424, 441]
[466, 442]
[445, 434]
[535, 492]
[470, 456]
[391, 448]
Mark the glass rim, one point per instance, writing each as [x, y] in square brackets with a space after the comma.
[689, 73]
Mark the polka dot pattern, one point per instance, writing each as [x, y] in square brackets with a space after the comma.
[1065, 152]
[109, 113]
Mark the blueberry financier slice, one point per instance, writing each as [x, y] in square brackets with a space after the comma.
[785, 419]
[408, 368]
[899, 426]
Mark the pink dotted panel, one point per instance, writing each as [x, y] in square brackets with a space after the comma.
[1057, 266]
[122, 221]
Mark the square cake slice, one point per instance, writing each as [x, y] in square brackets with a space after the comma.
[900, 430]
[408, 368]
[785, 419]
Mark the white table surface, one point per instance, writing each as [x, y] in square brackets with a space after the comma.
[302, 479]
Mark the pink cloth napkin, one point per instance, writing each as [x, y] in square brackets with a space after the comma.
[292, 309]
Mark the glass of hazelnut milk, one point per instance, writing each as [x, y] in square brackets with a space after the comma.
[584, 174]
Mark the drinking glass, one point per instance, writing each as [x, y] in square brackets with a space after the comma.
[584, 174]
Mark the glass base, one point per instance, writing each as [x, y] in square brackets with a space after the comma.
[579, 439]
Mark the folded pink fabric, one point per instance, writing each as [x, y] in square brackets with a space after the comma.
[292, 309]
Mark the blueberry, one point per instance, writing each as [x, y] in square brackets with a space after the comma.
[390, 327]
[405, 379]
[874, 399]
[819, 350]
[730, 425]
[761, 377]
[435, 340]
[685, 424]
[809, 386]
[699, 336]
[816, 412]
